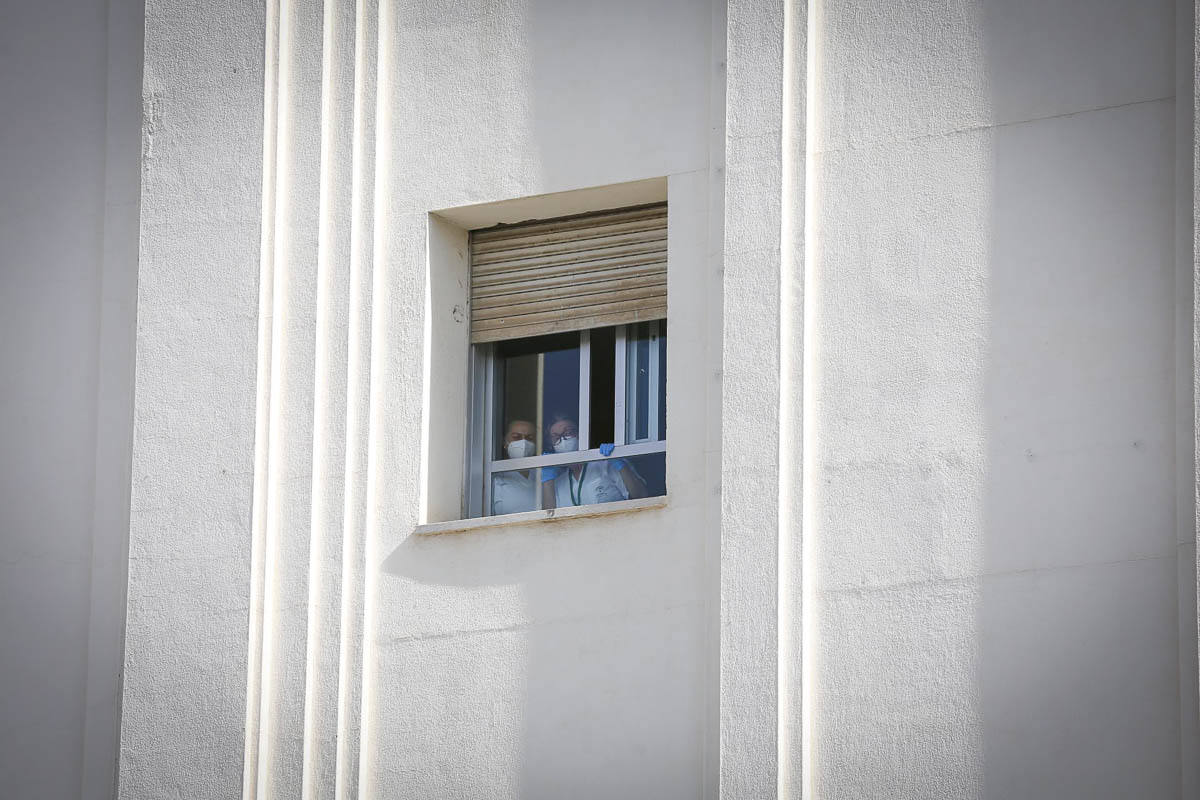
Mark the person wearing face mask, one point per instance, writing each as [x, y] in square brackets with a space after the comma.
[513, 492]
[591, 482]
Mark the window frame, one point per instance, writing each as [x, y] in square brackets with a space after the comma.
[483, 426]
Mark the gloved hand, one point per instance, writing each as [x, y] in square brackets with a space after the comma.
[607, 448]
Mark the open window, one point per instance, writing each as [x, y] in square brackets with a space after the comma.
[568, 362]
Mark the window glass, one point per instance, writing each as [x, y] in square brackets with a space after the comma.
[639, 385]
[662, 380]
[606, 480]
[515, 491]
[646, 382]
[600, 393]
[652, 470]
[603, 386]
[536, 378]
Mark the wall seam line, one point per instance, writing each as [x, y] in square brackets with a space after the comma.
[885, 142]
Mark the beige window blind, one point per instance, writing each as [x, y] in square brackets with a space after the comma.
[571, 273]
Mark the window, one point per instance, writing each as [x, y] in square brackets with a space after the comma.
[569, 357]
[572, 419]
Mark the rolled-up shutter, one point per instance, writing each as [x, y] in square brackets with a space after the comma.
[571, 273]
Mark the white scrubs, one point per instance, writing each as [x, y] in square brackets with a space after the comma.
[512, 492]
[600, 483]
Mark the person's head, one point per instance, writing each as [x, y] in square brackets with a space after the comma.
[562, 433]
[519, 440]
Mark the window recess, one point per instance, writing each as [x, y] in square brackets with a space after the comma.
[568, 363]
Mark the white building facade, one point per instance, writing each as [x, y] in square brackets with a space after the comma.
[929, 527]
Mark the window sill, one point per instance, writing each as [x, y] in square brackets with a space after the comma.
[532, 517]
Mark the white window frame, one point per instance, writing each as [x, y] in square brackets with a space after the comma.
[483, 427]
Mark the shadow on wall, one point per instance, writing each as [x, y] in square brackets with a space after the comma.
[1077, 611]
[996, 411]
[996, 400]
[559, 665]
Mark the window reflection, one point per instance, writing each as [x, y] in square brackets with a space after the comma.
[604, 481]
[515, 491]
[539, 377]
[646, 382]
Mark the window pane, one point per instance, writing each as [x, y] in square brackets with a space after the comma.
[652, 470]
[513, 492]
[560, 388]
[642, 384]
[605, 481]
[602, 387]
[646, 382]
[662, 380]
[536, 378]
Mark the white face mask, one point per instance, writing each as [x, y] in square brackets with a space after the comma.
[521, 448]
[567, 444]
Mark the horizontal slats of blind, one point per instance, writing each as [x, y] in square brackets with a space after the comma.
[534, 278]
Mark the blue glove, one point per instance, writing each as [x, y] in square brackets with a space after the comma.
[607, 448]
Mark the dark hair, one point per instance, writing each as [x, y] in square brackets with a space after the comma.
[559, 416]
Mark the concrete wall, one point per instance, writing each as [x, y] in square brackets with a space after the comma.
[994, 440]
[930, 461]
[70, 87]
[579, 654]
[574, 657]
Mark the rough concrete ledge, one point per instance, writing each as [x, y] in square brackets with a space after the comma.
[548, 515]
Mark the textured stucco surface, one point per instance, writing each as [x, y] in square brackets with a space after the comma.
[582, 614]
[995, 396]
[193, 459]
[956, 235]
[750, 391]
[573, 655]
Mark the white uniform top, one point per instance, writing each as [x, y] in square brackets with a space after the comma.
[512, 492]
[600, 483]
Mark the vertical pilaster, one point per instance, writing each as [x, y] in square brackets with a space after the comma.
[762, 487]
[183, 714]
[286, 407]
[321, 734]
[358, 399]
[304, 683]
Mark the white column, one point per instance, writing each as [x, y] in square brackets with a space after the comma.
[761, 676]
[183, 713]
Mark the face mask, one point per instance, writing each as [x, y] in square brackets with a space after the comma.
[567, 444]
[521, 448]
